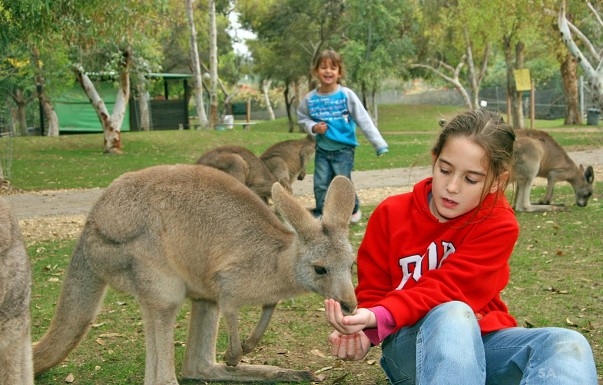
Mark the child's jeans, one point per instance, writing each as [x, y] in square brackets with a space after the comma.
[446, 347]
[328, 164]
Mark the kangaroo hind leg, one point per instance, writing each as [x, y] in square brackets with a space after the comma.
[159, 311]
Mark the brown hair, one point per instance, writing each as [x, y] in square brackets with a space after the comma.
[488, 130]
[334, 57]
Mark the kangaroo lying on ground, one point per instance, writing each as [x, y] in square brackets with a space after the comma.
[287, 160]
[166, 233]
[15, 294]
[537, 154]
[243, 165]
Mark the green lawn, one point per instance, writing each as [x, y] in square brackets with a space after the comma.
[556, 268]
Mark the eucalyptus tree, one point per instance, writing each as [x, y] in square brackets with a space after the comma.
[196, 66]
[290, 34]
[455, 42]
[375, 43]
[588, 53]
[31, 33]
[114, 38]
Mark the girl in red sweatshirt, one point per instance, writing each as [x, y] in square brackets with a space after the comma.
[431, 268]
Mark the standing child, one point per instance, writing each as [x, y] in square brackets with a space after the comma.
[431, 268]
[331, 113]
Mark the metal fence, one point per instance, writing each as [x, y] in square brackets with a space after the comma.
[549, 101]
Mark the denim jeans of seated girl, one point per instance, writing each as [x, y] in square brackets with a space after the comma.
[446, 347]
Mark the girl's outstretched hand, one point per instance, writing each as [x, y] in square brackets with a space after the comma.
[349, 324]
[349, 347]
[320, 128]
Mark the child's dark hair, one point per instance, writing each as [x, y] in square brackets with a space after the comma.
[488, 130]
[334, 57]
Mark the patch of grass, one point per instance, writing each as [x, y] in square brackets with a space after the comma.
[555, 281]
[555, 268]
[77, 161]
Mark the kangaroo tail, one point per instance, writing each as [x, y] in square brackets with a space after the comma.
[79, 302]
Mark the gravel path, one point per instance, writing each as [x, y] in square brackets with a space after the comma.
[52, 214]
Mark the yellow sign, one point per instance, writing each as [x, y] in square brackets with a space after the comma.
[522, 79]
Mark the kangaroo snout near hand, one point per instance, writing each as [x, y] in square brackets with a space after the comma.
[347, 307]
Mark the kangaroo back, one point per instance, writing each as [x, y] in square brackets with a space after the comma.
[288, 160]
[15, 294]
[243, 165]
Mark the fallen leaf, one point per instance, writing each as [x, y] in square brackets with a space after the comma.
[318, 353]
[69, 379]
[100, 341]
[323, 369]
[110, 335]
[570, 322]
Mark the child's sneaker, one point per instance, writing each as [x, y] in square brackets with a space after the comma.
[356, 217]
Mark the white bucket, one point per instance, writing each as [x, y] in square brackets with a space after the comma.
[228, 121]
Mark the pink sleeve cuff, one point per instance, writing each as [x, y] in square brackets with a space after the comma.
[385, 325]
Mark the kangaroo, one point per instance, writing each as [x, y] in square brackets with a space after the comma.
[167, 233]
[15, 294]
[287, 160]
[537, 154]
[243, 165]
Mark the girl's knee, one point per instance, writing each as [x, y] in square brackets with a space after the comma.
[566, 341]
[453, 311]
[453, 319]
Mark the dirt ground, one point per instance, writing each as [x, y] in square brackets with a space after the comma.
[55, 214]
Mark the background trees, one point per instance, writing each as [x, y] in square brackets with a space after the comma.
[47, 46]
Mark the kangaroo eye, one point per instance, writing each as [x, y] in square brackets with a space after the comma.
[320, 270]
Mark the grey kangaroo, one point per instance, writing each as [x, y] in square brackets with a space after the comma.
[243, 165]
[537, 154]
[167, 233]
[15, 294]
[287, 160]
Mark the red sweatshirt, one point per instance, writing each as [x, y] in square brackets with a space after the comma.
[409, 262]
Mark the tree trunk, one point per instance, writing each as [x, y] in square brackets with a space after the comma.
[513, 60]
[593, 73]
[111, 123]
[49, 112]
[265, 89]
[198, 81]
[288, 104]
[569, 80]
[213, 65]
[19, 113]
[143, 104]
[454, 79]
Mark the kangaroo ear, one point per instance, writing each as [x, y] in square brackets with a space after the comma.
[298, 216]
[339, 203]
[589, 174]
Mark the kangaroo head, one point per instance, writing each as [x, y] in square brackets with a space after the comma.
[325, 257]
[584, 190]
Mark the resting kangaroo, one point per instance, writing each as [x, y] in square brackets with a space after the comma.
[537, 154]
[243, 165]
[287, 160]
[166, 233]
[15, 293]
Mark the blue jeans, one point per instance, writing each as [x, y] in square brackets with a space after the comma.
[328, 164]
[446, 347]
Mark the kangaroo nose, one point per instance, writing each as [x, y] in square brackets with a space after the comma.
[347, 308]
